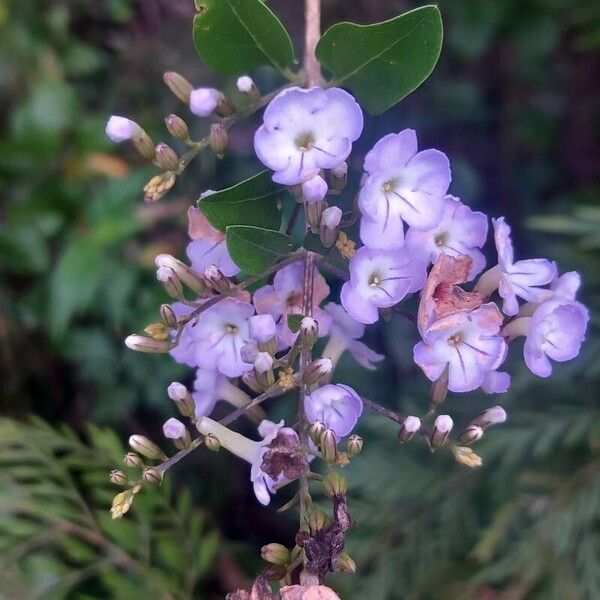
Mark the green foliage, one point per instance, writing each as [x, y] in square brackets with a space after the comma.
[236, 36]
[255, 249]
[384, 62]
[57, 539]
[254, 201]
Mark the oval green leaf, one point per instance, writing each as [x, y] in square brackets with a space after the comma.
[235, 36]
[250, 202]
[384, 62]
[255, 249]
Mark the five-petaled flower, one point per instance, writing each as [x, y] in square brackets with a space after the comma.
[337, 406]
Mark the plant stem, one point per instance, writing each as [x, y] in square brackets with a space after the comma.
[381, 410]
[312, 33]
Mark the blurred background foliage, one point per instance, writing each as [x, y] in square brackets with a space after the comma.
[514, 102]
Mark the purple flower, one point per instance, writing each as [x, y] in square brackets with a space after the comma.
[185, 351]
[337, 406]
[120, 129]
[379, 279]
[566, 286]
[461, 231]
[496, 382]
[515, 279]
[556, 330]
[210, 386]
[401, 186]
[284, 298]
[344, 335]
[174, 429]
[468, 343]
[306, 130]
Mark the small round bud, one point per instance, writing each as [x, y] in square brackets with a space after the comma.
[177, 127]
[339, 176]
[179, 85]
[328, 446]
[317, 520]
[142, 445]
[319, 371]
[314, 190]
[309, 332]
[174, 429]
[203, 101]
[118, 477]
[120, 129]
[182, 398]
[328, 227]
[345, 563]
[133, 460]
[166, 157]
[216, 280]
[219, 139]
[143, 144]
[157, 331]
[472, 433]
[152, 476]
[409, 427]
[141, 343]
[354, 445]
[246, 86]
[168, 316]
[276, 554]
[335, 484]
[315, 431]
[441, 430]
[212, 442]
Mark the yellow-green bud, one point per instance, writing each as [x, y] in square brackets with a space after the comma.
[354, 445]
[212, 442]
[152, 476]
[345, 563]
[315, 431]
[177, 127]
[276, 554]
[133, 460]
[142, 445]
[168, 316]
[317, 520]
[118, 477]
[166, 157]
[335, 484]
[329, 446]
[219, 139]
[179, 85]
[144, 145]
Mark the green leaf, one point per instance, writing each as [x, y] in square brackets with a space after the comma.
[250, 202]
[254, 249]
[384, 62]
[294, 322]
[235, 36]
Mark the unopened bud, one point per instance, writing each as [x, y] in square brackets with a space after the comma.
[317, 520]
[170, 282]
[246, 86]
[142, 343]
[328, 227]
[143, 144]
[471, 434]
[203, 101]
[328, 446]
[212, 442]
[248, 353]
[441, 430]
[339, 176]
[249, 378]
[224, 107]
[152, 476]
[157, 331]
[466, 456]
[166, 157]
[175, 430]
[177, 127]
[120, 129]
[491, 416]
[409, 427]
[276, 554]
[315, 431]
[345, 563]
[354, 445]
[142, 445]
[186, 274]
[216, 280]
[133, 460]
[118, 477]
[439, 388]
[182, 398]
[263, 366]
[168, 316]
[318, 371]
[335, 484]
[219, 139]
[313, 212]
[309, 332]
[158, 186]
[179, 85]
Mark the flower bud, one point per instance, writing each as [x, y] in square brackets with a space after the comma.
[249, 378]
[118, 477]
[120, 129]
[328, 444]
[466, 456]
[263, 366]
[335, 484]
[318, 371]
[315, 431]
[170, 282]
[177, 127]
[309, 332]
[248, 353]
[212, 442]
[339, 176]
[216, 280]
[158, 186]
[314, 190]
[168, 316]
[439, 389]
[142, 445]
[276, 554]
[157, 331]
[185, 274]
[179, 85]
[142, 343]
[174, 429]
[471, 434]
[354, 445]
[328, 227]
[246, 86]
[219, 139]
[409, 427]
[263, 329]
[317, 520]
[152, 476]
[143, 144]
[345, 563]
[203, 101]
[133, 460]
[490, 416]
[182, 398]
[224, 107]
[313, 212]
[441, 430]
[166, 157]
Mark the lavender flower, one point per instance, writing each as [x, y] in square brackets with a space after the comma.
[379, 279]
[337, 406]
[210, 386]
[344, 335]
[496, 382]
[284, 298]
[467, 342]
[401, 185]
[461, 231]
[566, 286]
[515, 279]
[306, 130]
[174, 429]
[204, 101]
[120, 129]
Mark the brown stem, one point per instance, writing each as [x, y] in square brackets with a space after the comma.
[381, 410]
[312, 20]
